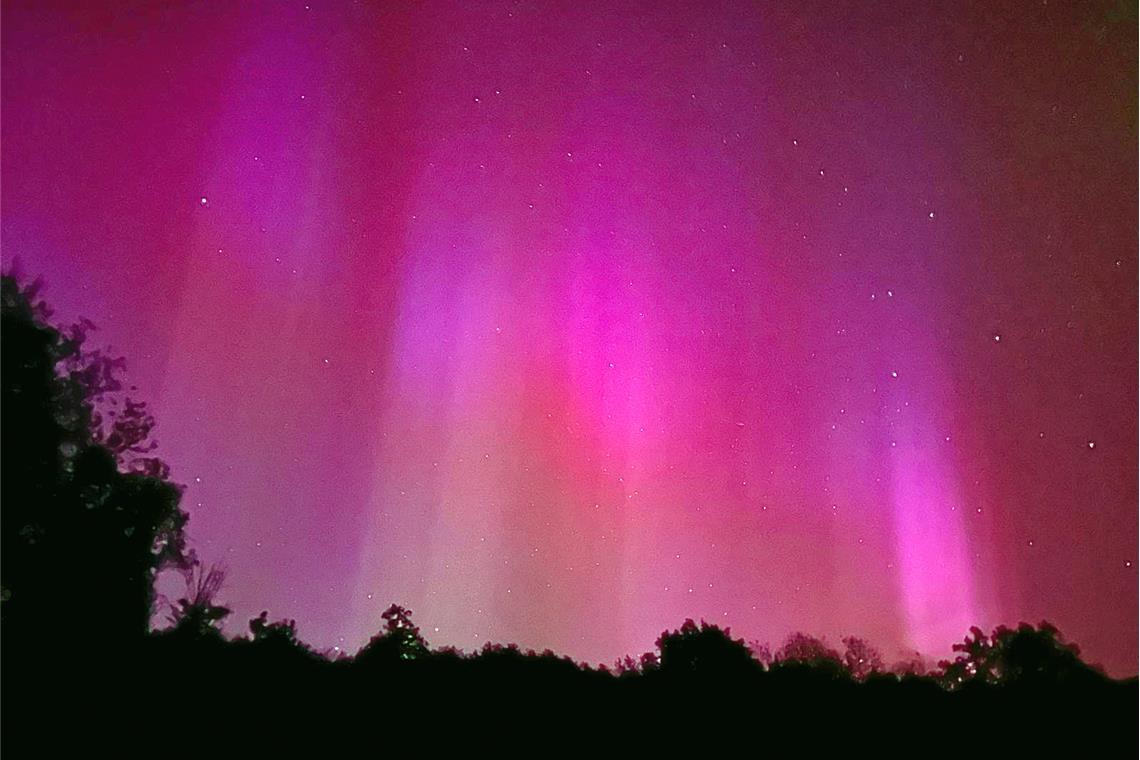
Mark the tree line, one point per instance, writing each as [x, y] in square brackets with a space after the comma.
[90, 515]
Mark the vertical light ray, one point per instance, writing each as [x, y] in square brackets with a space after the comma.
[934, 569]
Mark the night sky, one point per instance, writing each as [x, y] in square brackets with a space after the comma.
[561, 322]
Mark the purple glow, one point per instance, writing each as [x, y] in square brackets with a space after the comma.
[560, 323]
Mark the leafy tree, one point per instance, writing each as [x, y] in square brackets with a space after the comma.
[705, 650]
[84, 500]
[625, 666]
[975, 663]
[264, 631]
[276, 645]
[399, 641]
[860, 658]
[1022, 656]
[915, 665]
[761, 652]
[805, 649]
[806, 659]
[632, 666]
[1039, 655]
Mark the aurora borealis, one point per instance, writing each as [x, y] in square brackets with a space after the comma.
[561, 322]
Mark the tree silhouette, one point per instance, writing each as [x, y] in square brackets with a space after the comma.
[913, 665]
[197, 612]
[806, 649]
[975, 664]
[804, 658]
[276, 644]
[704, 650]
[860, 658]
[761, 652]
[86, 508]
[1032, 656]
[1024, 656]
[626, 665]
[400, 640]
[264, 631]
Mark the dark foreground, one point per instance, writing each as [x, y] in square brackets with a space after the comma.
[210, 698]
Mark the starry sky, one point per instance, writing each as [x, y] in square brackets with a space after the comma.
[561, 322]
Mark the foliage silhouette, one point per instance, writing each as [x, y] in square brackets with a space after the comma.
[1026, 656]
[197, 612]
[861, 659]
[83, 499]
[806, 657]
[400, 641]
[87, 505]
[704, 650]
